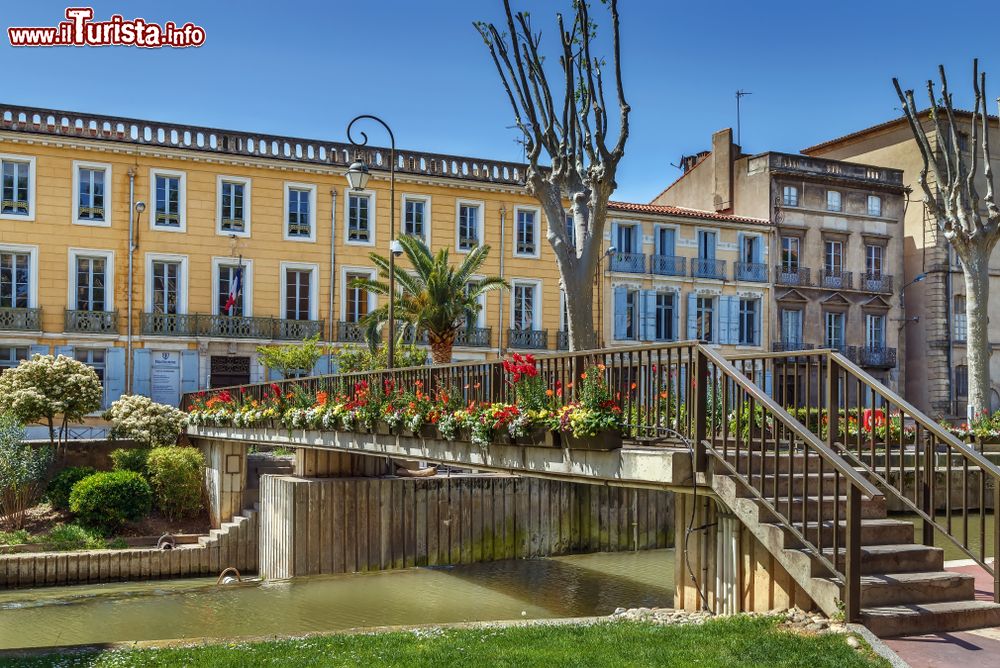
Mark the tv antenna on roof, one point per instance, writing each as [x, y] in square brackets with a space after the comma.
[739, 95]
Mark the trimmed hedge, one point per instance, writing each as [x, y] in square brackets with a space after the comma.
[177, 475]
[58, 491]
[106, 501]
[130, 459]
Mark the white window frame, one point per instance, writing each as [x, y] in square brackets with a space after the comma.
[313, 287]
[372, 199]
[784, 198]
[181, 199]
[827, 315]
[109, 278]
[32, 252]
[246, 183]
[313, 214]
[426, 199]
[106, 167]
[228, 261]
[480, 233]
[537, 231]
[758, 311]
[868, 205]
[656, 238]
[372, 297]
[481, 316]
[536, 315]
[839, 204]
[30, 159]
[713, 320]
[182, 280]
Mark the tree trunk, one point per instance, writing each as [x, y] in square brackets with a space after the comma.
[441, 347]
[977, 350]
[580, 311]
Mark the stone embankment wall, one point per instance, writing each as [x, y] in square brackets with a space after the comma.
[233, 544]
[310, 526]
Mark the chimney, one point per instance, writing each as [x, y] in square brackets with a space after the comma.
[722, 162]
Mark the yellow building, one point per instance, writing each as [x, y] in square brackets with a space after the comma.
[679, 274]
[155, 321]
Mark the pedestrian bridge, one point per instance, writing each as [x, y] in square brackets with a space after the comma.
[784, 467]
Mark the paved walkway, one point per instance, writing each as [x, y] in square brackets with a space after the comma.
[967, 649]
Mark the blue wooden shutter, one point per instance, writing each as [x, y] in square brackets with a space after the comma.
[710, 241]
[647, 317]
[741, 244]
[614, 238]
[189, 371]
[758, 316]
[274, 374]
[66, 351]
[114, 374]
[142, 363]
[758, 249]
[721, 316]
[676, 329]
[668, 237]
[37, 350]
[621, 313]
[692, 316]
[716, 312]
[322, 366]
[734, 320]
[767, 383]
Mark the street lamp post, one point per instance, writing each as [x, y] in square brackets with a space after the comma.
[357, 176]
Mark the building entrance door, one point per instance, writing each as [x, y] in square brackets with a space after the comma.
[227, 370]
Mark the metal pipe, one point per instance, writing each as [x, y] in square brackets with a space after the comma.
[131, 253]
[333, 272]
[500, 327]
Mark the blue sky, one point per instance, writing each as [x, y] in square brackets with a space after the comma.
[816, 70]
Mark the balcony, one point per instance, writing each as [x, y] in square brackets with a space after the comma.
[562, 339]
[836, 279]
[350, 332]
[788, 275]
[705, 268]
[790, 346]
[874, 356]
[411, 336]
[876, 282]
[92, 322]
[224, 326]
[21, 319]
[528, 339]
[750, 271]
[667, 265]
[474, 337]
[630, 263]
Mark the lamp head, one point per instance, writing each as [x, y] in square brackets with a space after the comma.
[396, 248]
[919, 277]
[357, 175]
[140, 206]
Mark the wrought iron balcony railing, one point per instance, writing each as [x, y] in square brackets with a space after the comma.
[350, 332]
[474, 337]
[750, 271]
[92, 322]
[836, 279]
[705, 268]
[632, 263]
[562, 338]
[790, 346]
[532, 339]
[874, 356]
[225, 326]
[411, 336]
[876, 282]
[791, 275]
[668, 265]
[21, 319]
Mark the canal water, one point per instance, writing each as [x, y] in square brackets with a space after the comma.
[571, 586]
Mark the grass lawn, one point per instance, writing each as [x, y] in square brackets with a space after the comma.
[726, 643]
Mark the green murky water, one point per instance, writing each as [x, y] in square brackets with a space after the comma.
[534, 588]
[951, 551]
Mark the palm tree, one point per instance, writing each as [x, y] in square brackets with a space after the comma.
[436, 298]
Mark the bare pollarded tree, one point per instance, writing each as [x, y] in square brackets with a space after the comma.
[969, 221]
[570, 125]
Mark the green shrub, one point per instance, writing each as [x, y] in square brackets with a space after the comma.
[71, 537]
[105, 501]
[176, 475]
[16, 537]
[57, 493]
[23, 469]
[130, 459]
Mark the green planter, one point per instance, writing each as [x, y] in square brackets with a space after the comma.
[539, 437]
[605, 441]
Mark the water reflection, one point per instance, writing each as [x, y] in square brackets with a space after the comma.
[565, 586]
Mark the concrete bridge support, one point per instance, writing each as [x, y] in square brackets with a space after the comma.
[722, 566]
[225, 478]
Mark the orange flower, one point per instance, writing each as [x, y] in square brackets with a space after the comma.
[634, 386]
[321, 398]
[663, 395]
[601, 367]
[548, 393]
[583, 376]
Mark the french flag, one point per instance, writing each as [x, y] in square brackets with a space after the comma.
[235, 289]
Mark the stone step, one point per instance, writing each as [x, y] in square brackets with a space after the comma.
[876, 531]
[815, 508]
[799, 483]
[888, 559]
[768, 461]
[888, 589]
[896, 620]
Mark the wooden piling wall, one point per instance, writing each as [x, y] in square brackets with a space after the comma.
[311, 526]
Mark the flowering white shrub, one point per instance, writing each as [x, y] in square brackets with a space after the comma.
[47, 388]
[448, 425]
[144, 421]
